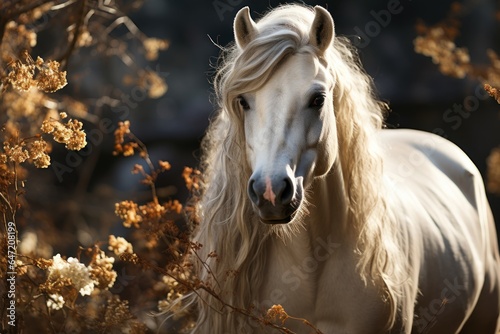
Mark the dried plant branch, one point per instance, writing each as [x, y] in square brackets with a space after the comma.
[438, 42]
[28, 118]
[492, 91]
[76, 33]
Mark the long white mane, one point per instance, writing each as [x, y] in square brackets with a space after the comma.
[228, 225]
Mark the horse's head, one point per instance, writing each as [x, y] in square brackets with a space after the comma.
[290, 136]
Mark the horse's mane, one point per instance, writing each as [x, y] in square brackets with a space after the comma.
[228, 225]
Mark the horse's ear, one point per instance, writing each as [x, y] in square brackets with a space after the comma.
[244, 27]
[322, 29]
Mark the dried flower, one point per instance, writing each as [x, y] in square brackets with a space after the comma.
[172, 302]
[152, 210]
[126, 149]
[71, 269]
[164, 165]
[55, 301]
[28, 243]
[21, 104]
[154, 84]
[192, 178]
[119, 245]
[16, 153]
[71, 133]
[25, 38]
[152, 46]
[452, 61]
[101, 271]
[21, 76]
[174, 206]
[437, 42]
[128, 211]
[138, 169]
[50, 78]
[36, 150]
[84, 38]
[38, 153]
[493, 92]
[43, 263]
[275, 313]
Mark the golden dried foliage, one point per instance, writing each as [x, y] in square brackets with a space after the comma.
[152, 83]
[26, 74]
[192, 177]
[152, 219]
[119, 245]
[65, 293]
[33, 149]
[27, 102]
[152, 46]
[127, 149]
[275, 313]
[128, 212]
[493, 92]
[70, 133]
[154, 222]
[438, 43]
[101, 271]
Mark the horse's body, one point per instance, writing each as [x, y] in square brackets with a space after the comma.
[438, 200]
[436, 195]
[354, 228]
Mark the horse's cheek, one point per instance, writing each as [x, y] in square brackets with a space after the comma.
[249, 144]
[327, 145]
[324, 161]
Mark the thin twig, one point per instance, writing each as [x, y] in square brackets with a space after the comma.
[153, 174]
[76, 34]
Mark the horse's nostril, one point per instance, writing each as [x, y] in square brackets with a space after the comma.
[287, 193]
[252, 193]
[279, 193]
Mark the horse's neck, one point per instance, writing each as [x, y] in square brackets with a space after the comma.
[327, 207]
[325, 222]
[296, 265]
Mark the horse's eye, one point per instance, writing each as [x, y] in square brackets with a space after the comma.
[317, 101]
[243, 103]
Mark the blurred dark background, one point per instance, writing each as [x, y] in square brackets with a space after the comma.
[173, 125]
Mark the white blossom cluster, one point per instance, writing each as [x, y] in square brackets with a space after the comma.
[55, 302]
[73, 269]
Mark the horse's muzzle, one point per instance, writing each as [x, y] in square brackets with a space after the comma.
[275, 199]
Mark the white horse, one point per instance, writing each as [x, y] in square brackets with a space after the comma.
[308, 203]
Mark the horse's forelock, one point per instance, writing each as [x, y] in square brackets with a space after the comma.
[253, 66]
